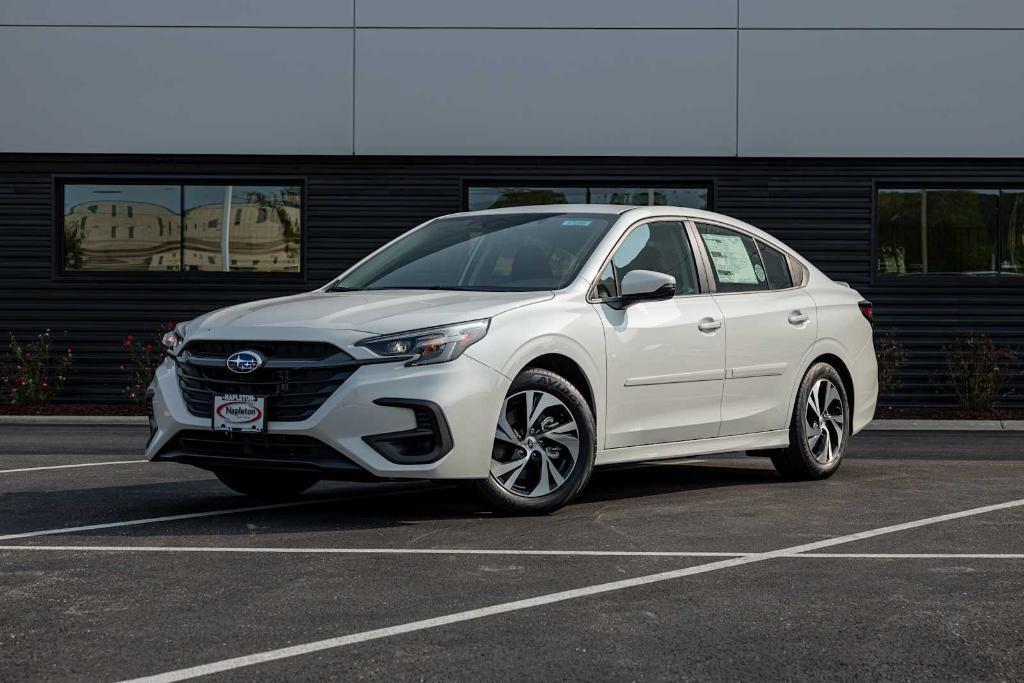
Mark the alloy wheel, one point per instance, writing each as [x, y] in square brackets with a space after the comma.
[824, 420]
[536, 444]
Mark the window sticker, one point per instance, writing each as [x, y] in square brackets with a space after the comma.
[576, 222]
[732, 262]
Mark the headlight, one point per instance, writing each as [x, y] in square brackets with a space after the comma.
[434, 345]
[172, 340]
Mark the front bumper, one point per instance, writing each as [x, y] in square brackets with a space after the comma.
[346, 438]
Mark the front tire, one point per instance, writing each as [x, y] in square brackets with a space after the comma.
[266, 484]
[544, 447]
[820, 428]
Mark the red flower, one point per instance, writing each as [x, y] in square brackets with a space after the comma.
[149, 347]
[45, 384]
[69, 350]
[28, 354]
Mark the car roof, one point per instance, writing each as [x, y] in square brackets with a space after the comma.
[639, 213]
[636, 212]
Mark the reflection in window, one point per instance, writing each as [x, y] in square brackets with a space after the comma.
[266, 223]
[176, 227]
[947, 231]
[1012, 222]
[97, 244]
[660, 247]
[496, 197]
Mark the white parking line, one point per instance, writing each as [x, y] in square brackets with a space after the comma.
[916, 556]
[561, 596]
[64, 467]
[488, 551]
[214, 513]
[372, 551]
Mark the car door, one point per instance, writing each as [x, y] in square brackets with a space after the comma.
[665, 359]
[769, 327]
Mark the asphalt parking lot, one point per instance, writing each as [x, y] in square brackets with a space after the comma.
[907, 564]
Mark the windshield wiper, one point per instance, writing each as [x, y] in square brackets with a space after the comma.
[342, 288]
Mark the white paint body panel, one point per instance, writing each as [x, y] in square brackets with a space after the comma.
[656, 383]
[763, 354]
[664, 374]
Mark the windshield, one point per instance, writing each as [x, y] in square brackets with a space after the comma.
[496, 253]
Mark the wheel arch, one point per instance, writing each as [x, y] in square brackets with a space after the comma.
[831, 352]
[568, 368]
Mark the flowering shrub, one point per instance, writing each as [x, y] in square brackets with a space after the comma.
[35, 374]
[144, 357]
[977, 369]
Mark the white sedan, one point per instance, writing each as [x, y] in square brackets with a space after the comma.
[517, 349]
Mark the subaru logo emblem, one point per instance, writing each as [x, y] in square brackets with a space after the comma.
[244, 362]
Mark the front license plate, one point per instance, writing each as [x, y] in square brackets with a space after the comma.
[239, 413]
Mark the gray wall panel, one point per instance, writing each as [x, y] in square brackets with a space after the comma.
[177, 12]
[881, 13]
[881, 93]
[547, 13]
[149, 90]
[552, 92]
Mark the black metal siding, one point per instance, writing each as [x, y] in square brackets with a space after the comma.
[822, 208]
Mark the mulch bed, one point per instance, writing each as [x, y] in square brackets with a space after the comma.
[93, 409]
[925, 413]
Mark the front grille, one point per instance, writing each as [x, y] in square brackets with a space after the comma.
[296, 378]
[269, 349]
[251, 445]
[260, 450]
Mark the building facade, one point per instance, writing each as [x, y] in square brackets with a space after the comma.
[158, 160]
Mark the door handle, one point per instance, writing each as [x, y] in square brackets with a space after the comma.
[709, 325]
[797, 318]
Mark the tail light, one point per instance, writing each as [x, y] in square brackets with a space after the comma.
[867, 310]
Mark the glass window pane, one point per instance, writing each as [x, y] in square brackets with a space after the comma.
[1013, 233]
[776, 267]
[263, 228]
[122, 227]
[635, 196]
[937, 231]
[961, 235]
[694, 198]
[502, 252]
[661, 247]
[900, 231]
[735, 262]
[500, 197]
[606, 288]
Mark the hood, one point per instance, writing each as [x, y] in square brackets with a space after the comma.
[377, 312]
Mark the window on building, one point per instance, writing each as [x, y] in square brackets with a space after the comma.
[160, 214]
[494, 196]
[964, 231]
[735, 261]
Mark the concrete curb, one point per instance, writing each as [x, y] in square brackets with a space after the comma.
[946, 425]
[95, 420]
[875, 426]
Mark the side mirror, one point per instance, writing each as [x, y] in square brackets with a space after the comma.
[644, 285]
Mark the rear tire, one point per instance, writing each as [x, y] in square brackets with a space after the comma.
[544, 447]
[267, 484]
[820, 428]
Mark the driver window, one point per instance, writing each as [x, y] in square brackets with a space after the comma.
[661, 247]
